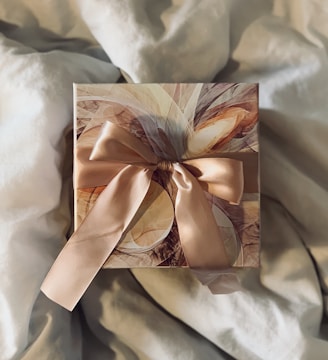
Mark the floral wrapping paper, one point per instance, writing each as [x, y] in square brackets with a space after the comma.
[178, 121]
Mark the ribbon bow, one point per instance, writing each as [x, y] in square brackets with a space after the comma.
[134, 163]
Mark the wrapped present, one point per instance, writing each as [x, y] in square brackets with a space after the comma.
[164, 175]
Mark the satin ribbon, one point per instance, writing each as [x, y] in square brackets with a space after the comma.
[121, 159]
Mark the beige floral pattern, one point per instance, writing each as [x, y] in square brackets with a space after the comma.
[178, 121]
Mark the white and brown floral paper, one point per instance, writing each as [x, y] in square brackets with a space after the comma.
[179, 121]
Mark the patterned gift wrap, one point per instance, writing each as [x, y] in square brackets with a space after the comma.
[178, 121]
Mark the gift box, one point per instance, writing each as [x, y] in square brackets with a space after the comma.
[165, 175]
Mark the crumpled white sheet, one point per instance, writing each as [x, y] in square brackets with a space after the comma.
[164, 314]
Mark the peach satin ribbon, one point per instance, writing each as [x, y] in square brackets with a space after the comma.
[118, 152]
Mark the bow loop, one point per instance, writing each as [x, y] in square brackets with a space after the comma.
[116, 144]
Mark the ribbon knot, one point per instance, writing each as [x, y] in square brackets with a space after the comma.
[165, 165]
[125, 164]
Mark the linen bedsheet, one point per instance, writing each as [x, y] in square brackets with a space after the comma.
[164, 314]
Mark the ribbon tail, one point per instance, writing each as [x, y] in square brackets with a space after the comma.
[89, 247]
[200, 237]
